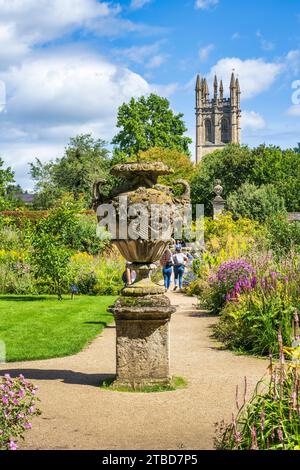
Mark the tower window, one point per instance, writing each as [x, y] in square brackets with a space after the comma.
[225, 135]
[208, 131]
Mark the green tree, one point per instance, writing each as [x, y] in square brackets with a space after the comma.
[180, 162]
[149, 122]
[232, 166]
[52, 240]
[85, 160]
[257, 203]
[7, 200]
[236, 165]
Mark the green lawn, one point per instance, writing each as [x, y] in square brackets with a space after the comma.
[40, 327]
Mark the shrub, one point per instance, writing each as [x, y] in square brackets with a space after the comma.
[270, 420]
[250, 324]
[226, 238]
[258, 203]
[283, 236]
[231, 279]
[18, 406]
[97, 275]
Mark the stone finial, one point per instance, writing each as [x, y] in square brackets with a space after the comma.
[221, 90]
[218, 189]
[218, 202]
[215, 87]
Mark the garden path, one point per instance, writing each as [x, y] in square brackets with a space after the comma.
[78, 415]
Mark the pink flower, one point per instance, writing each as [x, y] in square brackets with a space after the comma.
[28, 425]
[12, 445]
[5, 400]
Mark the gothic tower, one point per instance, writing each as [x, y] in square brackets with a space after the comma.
[218, 120]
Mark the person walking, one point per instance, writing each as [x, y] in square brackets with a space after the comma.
[180, 261]
[167, 263]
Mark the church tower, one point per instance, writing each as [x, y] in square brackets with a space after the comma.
[218, 120]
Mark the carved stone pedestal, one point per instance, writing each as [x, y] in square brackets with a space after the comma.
[143, 341]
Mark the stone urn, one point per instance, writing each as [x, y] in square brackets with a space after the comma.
[142, 313]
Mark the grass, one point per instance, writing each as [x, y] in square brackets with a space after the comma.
[41, 327]
[176, 383]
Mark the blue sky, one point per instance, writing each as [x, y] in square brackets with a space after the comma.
[68, 64]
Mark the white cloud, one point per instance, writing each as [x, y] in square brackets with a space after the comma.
[236, 36]
[137, 4]
[252, 121]
[139, 54]
[265, 45]
[293, 61]
[204, 52]
[56, 96]
[64, 89]
[294, 111]
[205, 4]
[255, 75]
[156, 61]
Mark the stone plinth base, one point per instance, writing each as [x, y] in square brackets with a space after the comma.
[142, 343]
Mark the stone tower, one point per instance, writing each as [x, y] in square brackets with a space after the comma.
[218, 120]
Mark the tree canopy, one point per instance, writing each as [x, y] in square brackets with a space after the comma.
[181, 163]
[85, 160]
[149, 122]
[236, 165]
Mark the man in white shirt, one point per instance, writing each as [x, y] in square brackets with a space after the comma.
[180, 261]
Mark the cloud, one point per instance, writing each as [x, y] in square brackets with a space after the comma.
[265, 45]
[255, 75]
[65, 89]
[292, 61]
[294, 111]
[205, 4]
[139, 54]
[204, 52]
[252, 121]
[236, 36]
[53, 97]
[156, 61]
[137, 4]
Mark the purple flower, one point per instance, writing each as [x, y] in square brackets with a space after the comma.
[27, 425]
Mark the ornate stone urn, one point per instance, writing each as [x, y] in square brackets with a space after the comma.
[142, 313]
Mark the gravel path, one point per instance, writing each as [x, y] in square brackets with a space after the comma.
[78, 415]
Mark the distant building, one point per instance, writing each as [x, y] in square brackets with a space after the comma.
[218, 120]
[27, 198]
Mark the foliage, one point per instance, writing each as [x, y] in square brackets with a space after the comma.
[149, 122]
[18, 407]
[85, 160]
[257, 203]
[40, 327]
[225, 239]
[51, 253]
[181, 163]
[270, 420]
[231, 278]
[232, 166]
[283, 236]
[97, 275]
[236, 165]
[250, 322]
